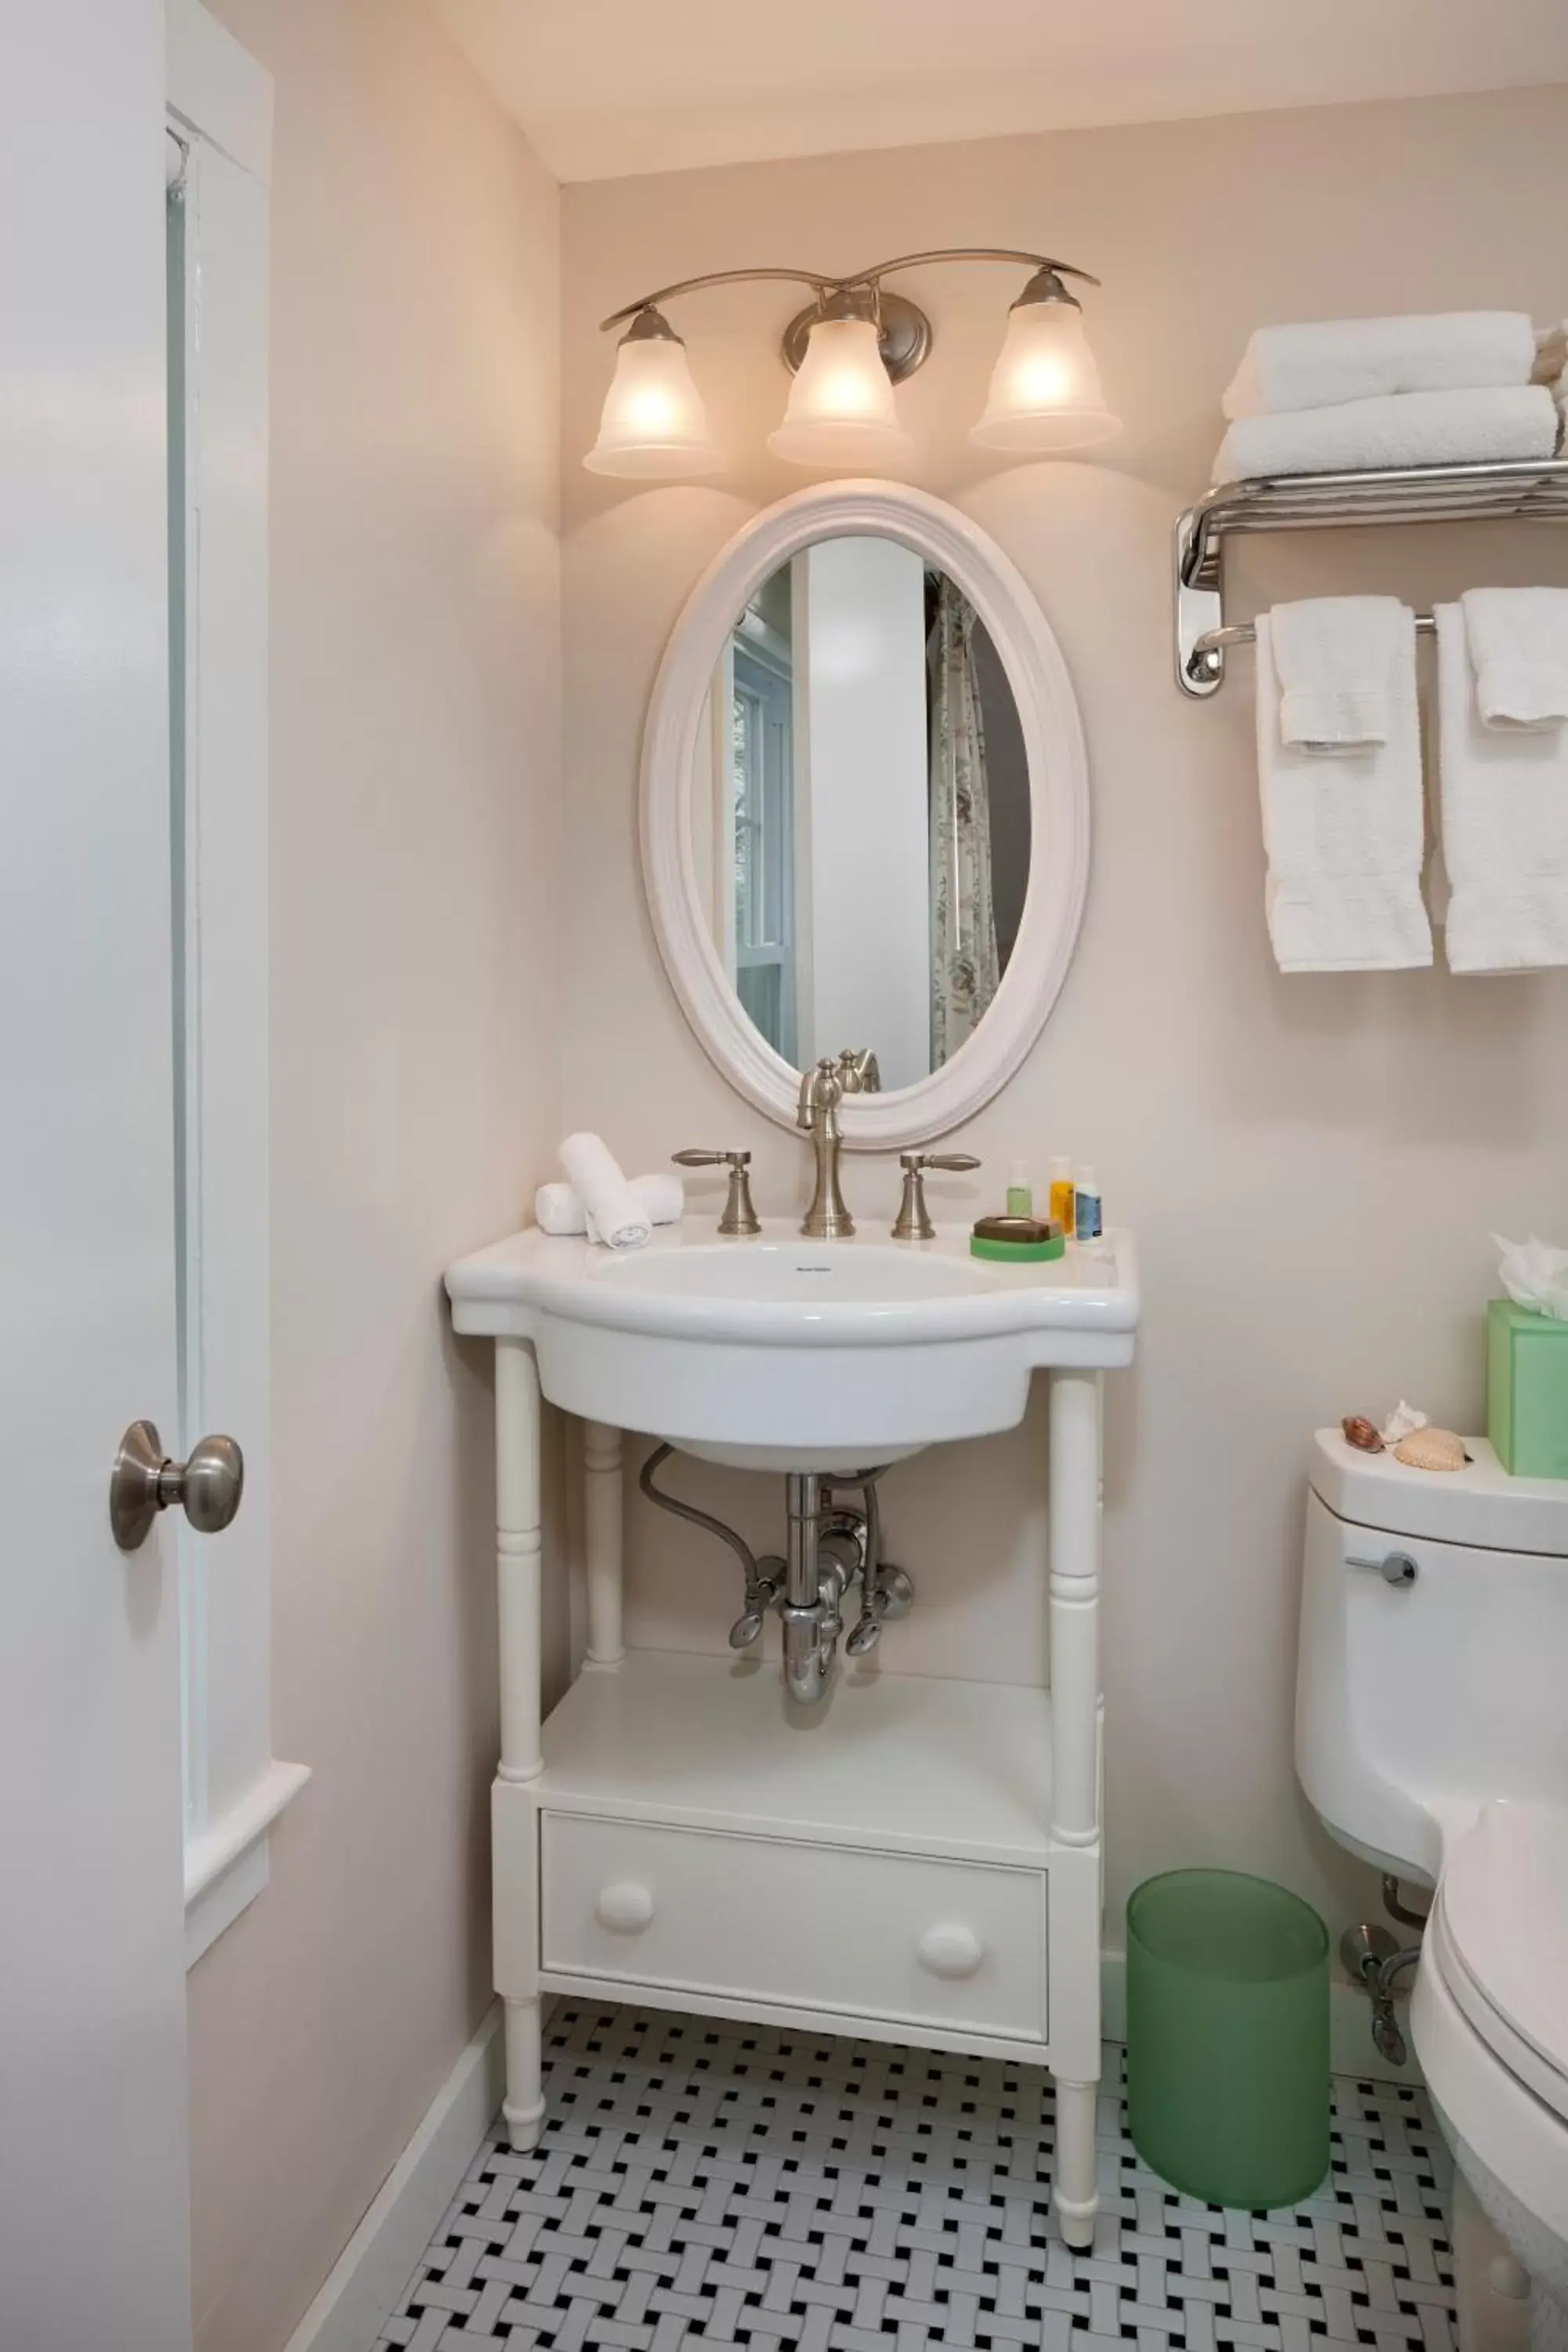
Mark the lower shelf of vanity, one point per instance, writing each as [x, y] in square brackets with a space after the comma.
[881, 1866]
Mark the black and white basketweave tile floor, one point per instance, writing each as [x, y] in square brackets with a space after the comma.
[705, 2183]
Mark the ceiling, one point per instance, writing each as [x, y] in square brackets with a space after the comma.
[604, 88]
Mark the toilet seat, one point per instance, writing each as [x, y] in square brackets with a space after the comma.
[1499, 1938]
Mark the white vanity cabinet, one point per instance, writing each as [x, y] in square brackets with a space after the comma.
[916, 1859]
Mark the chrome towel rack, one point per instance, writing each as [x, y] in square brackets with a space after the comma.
[1528, 489]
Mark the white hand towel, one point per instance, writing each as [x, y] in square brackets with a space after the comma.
[1408, 429]
[1337, 657]
[557, 1210]
[616, 1215]
[1345, 836]
[1324, 361]
[1519, 643]
[1505, 824]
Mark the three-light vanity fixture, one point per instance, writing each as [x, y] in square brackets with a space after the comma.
[847, 351]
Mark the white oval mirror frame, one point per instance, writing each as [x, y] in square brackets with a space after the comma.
[1059, 807]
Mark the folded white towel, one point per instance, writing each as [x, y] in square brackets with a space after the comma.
[615, 1213]
[1337, 659]
[1324, 361]
[557, 1209]
[1519, 645]
[1345, 836]
[1407, 429]
[1505, 824]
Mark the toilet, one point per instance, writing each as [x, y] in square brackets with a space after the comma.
[1432, 1739]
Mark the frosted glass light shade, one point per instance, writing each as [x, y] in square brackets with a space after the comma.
[653, 427]
[1045, 388]
[841, 410]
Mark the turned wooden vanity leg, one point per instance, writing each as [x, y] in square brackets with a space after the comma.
[518, 1542]
[602, 1535]
[1075, 2192]
[1074, 1520]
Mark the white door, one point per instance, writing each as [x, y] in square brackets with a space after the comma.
[93, 2188]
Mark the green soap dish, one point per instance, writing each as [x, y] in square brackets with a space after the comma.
[1017, 1240]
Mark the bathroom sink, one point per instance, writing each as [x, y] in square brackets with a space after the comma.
[780, 1353]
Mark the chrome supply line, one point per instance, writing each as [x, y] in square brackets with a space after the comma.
[831, 1544]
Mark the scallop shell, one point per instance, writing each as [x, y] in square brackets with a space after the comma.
[1360, 1433]
[1431, 1449]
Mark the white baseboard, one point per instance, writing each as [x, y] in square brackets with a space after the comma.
[376, 2264]
[1351, 2047]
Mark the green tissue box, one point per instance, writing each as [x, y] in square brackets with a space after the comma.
[1527, 1390]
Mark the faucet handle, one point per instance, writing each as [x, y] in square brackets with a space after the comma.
[739, 1216]
[857, 1071]
[913, 1221]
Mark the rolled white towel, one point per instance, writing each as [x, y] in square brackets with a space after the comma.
[1323, 361]
[1407, 429]
[615, 1213]
[1505, 824]
[1337, 658]
[1519, 645]
[557, 1210]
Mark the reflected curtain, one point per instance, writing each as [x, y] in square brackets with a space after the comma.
[964, 965]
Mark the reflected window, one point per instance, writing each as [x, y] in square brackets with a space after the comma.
[762, 782]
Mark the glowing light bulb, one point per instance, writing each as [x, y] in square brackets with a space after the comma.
[1045, 390]
[654, 427]
[841, 410]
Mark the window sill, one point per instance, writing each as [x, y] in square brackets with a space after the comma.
[227, 1865]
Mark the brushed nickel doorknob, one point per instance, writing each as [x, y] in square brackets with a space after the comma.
[145, 1481]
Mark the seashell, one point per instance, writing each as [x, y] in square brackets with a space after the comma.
[1360, 1433]
[1431, 1449]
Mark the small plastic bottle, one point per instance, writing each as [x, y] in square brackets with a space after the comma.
[1020, 1191]
[1063, 1210]
[1090, 1222]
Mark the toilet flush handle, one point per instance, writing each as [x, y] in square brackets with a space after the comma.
[1394, 1567]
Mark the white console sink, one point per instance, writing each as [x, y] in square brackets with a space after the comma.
[781, 1353]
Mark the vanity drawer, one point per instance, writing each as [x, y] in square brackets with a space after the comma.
[893, 1936]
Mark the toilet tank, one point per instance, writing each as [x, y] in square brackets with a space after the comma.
[1416, 1702]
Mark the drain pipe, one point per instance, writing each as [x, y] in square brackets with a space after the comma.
[801, 1609]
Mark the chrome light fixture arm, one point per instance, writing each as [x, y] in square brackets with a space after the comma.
[831, 290]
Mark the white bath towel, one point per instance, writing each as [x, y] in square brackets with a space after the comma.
[1407, 429]
[1505, 824]
[1344, 837]
[1519, 646]
[1337, 657]
[615, 1213]
[557, 1209]
[1325, 360]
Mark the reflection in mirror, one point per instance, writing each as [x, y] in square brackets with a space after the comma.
[860, 809]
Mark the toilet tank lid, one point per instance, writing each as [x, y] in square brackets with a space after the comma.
[1479, 1505]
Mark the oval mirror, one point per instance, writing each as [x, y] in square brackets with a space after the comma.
[864, 811]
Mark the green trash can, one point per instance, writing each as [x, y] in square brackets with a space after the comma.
[1227, 2037]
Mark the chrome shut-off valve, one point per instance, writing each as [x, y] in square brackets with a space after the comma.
[834, 1545]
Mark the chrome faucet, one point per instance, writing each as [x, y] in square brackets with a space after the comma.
[821, 1091]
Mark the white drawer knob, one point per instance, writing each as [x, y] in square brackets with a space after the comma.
[951, 1951]
[625, 1908]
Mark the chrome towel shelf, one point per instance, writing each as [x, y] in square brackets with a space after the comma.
[1532, 488]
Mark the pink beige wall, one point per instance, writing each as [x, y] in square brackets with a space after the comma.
[1312, 1165]
[414, 843]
